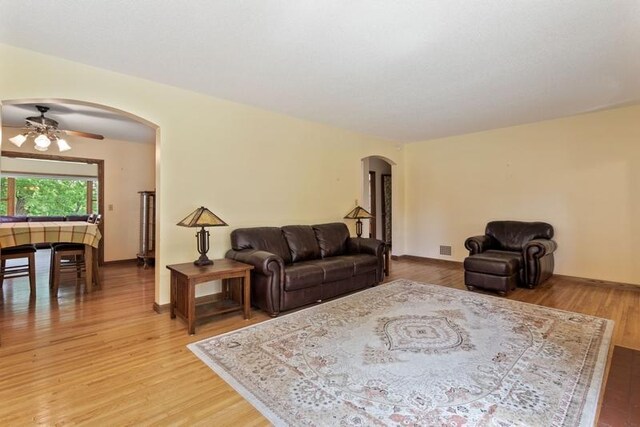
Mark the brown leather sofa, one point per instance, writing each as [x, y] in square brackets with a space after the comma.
[510, 253]
[298, 265]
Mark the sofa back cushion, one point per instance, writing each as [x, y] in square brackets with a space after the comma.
[332, 238]
[513, 235]
[84, 218]
[302, 242]
[46, 218]
[268, 239]
[6, 218]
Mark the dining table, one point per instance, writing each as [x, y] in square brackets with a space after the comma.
[26, 233]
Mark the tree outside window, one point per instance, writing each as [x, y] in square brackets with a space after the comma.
[4, 198]
[48, 196]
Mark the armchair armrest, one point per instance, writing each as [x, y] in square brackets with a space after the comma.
[361, 245]
[538, 248]
[263, 262]
[478, 244]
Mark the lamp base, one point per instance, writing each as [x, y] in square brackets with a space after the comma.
[203, 248]
[202, 261]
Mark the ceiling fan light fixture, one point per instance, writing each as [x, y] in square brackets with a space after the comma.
[42, 142]
[45, 131]
[18, 140]
[63, 145]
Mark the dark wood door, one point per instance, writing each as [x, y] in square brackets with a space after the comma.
[372, 203]
[386, 209]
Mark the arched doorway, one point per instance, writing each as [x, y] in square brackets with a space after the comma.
[120, 211]
[377, 196]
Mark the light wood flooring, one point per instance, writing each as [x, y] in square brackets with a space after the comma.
[108, 359]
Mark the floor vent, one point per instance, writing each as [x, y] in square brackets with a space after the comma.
[445, 250]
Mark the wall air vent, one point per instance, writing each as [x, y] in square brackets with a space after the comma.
[445, 250]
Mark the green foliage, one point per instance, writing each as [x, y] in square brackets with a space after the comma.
[94, 198]
[48, 196]
[37, 196]
[3, 196]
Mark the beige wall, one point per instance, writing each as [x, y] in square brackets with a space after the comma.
[581, 174]
[255, 167]
[249, 166]
[129, 167]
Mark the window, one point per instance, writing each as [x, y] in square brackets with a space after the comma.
[4, 196]
[35, 196]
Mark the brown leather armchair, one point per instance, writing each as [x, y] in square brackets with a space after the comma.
[510, 253]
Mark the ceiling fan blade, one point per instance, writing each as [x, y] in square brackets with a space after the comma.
[84, 134]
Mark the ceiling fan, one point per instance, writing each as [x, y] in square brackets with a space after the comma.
[44, 131]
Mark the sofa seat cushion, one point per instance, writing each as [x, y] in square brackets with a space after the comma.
[336, 268]
[362, 263]
[498, 263]
[302, 275]
[302, 242]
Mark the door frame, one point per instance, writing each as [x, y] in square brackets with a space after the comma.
[384, 206]
[373, 204]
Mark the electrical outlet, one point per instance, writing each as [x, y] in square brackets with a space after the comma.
[110, 207]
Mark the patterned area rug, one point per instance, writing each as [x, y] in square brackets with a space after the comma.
[408, 353]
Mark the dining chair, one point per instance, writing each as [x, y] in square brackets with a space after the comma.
[22, 270]
[70, 257]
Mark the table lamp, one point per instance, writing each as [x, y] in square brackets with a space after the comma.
[202, 217]
[358, 213]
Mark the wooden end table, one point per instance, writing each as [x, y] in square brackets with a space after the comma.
[185, 277]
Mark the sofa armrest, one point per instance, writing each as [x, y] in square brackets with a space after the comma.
[267, 277]
[375, 247]
[361, 245]
[478, 244]
[538, 248]
[263, 262]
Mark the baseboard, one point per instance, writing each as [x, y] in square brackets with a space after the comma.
[120, 261]
[205, 299]
[601, 283]
[427, 260]
[582, 280]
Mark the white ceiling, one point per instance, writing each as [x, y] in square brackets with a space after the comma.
[401, 70]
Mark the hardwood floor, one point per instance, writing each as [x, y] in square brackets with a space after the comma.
[109, 359]
[621, 400]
